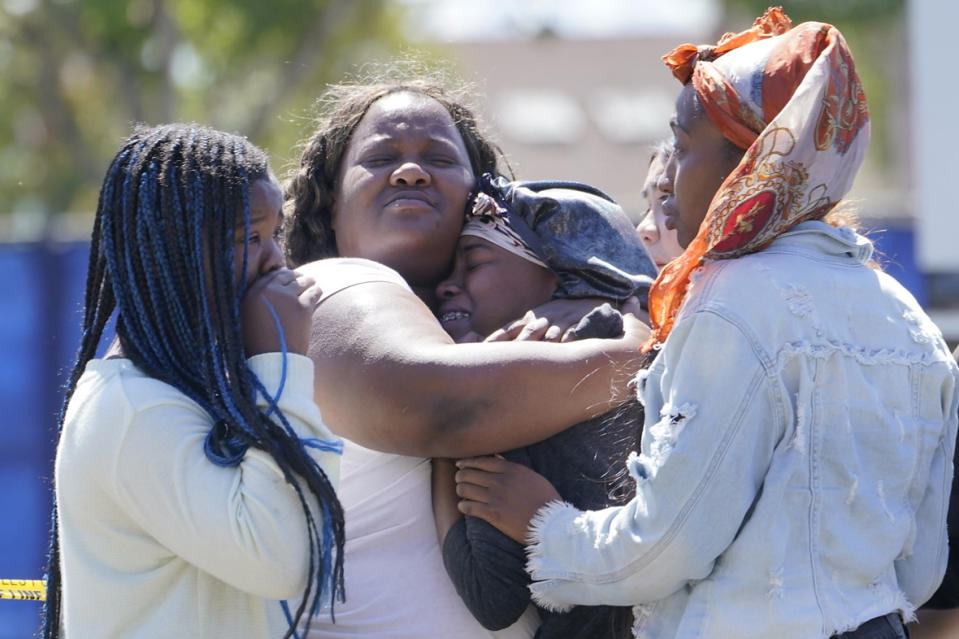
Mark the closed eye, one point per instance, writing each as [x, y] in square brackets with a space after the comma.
[475, 254]
[444, 161]
[379, 160]
[474, 266]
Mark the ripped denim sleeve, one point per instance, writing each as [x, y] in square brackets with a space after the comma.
[663, 435]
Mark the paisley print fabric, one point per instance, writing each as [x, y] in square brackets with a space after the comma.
[792, 99]
[489, 220]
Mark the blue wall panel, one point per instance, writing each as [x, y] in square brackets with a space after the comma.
[896, 252]
[41, 293]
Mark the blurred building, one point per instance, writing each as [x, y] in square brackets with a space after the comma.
[571, 91]
[933, 138]
[577, 91]
[584, 110]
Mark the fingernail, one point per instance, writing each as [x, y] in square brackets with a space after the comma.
[529, 316]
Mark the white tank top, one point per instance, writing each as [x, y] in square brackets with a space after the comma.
[396, 585]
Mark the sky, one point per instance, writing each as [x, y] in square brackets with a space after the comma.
[459, 20]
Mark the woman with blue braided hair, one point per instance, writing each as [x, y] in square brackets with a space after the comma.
[194, 475]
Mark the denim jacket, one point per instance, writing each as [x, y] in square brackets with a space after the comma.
[795, 465]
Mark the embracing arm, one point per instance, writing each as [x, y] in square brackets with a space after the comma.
[921, 573]
[389, 378]
[487, 568]
[443, 485]
[701, 467]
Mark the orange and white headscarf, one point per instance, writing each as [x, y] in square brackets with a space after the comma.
[792, 99]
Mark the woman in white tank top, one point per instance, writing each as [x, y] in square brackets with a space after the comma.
[386, 177]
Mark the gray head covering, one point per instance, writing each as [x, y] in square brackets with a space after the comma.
[577, 231]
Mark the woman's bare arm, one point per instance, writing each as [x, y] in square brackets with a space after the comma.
[445, 500]
[388, 377]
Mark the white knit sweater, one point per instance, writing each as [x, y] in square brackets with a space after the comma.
[157, 541]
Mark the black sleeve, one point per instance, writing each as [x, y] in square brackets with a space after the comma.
[488, 570]
[602, 321]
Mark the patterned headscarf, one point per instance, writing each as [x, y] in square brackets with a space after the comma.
[792, 99]
[575, 230]
[489, 220]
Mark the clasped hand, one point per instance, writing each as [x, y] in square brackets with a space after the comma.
[503, 493]
[292, 297]
[556, 320]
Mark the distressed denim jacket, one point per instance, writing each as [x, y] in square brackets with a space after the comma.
[795, 466]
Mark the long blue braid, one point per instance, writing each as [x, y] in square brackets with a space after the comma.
[168, 205]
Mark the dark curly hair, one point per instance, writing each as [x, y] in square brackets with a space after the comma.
[308, 191]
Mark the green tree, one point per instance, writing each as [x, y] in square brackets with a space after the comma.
[75, 74]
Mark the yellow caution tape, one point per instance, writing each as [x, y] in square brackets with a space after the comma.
[23, 589]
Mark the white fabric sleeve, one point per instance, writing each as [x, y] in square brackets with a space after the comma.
[338, 273]
[706, 445]
[242, 524]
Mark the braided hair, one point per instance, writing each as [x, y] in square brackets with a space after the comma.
[162, 256]
[308, 193]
